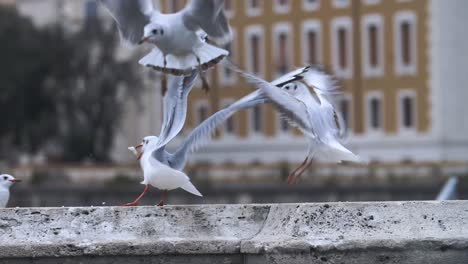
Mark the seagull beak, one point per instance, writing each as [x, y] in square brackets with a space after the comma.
[143, 40]
[139, 146]
[15, 180]
[140, 155]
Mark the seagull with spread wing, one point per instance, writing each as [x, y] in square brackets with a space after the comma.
[315, 116]
[162, 169]
[180, 47]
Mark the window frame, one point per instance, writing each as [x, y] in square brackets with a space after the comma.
[259, 31]
[347, 24]
[282, 9]
[306, 6]
[368, 69]
[278, 29]
[401, 68]
[402, 94]
[308, 26]
[225, 103]
[251, 118]
[369, 97]
[253, 12]
[349, 98]
[198, 104]
[234, 56]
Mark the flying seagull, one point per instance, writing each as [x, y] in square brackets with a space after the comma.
[315, 116]
[6, 181]
[178, 37]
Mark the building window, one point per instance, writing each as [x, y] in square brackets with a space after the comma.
[229, 7]
[256, 119]
[254, 7]
[311, 5]
[282, 6]
[283, 127]
[407, 110]
[405, 43]
[226, 76]
[230, 123]
[345, 108]
[174, 5]
[342, 47]
[255, 50]
[373, 45]
[202, 111]
[341, 3]
[311, 42]
[375, 112]
[282, 45]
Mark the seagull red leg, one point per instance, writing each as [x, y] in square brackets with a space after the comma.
[164, 196]
[300, 172]
[135, 203]
[292, 177]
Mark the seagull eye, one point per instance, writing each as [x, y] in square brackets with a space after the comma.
[287, 87]
[155, 31]
[5, 178]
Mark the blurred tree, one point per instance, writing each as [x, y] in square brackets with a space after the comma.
[27, 109]
[67, 91]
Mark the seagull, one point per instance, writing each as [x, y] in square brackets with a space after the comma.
[163, 170]
[175, 107]
[6, 181]
[178, 37]
[175, 101]
[315, 116]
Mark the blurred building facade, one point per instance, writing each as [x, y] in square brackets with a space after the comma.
[400, 63]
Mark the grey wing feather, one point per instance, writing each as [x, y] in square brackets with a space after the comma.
[175, 106]
[131, 17]
[293, 76]
[210, 17]
[203, 132]
[289, 106]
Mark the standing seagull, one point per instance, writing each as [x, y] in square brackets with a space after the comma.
[163, 170]
[180, 47]
[314, 116]
[6, 181]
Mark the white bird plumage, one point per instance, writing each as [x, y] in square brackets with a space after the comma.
[6, 181]
[315, 116]
[177, 36]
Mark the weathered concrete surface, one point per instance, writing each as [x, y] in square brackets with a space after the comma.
[392, 232]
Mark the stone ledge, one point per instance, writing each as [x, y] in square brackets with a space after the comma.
[412, 232]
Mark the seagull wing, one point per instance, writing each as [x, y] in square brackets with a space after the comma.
[203, 132]
[293, 76]
[131, 17]
[326, 89]
[290, 107]
[210, 17]
[175, 106]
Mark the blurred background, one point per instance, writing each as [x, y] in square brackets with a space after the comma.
[73, 98]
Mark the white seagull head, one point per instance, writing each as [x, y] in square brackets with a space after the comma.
[145, 144]
[7, 180]
[153, 33]
[296, 89]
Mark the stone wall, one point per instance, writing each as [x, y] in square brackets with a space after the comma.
[390, 232]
